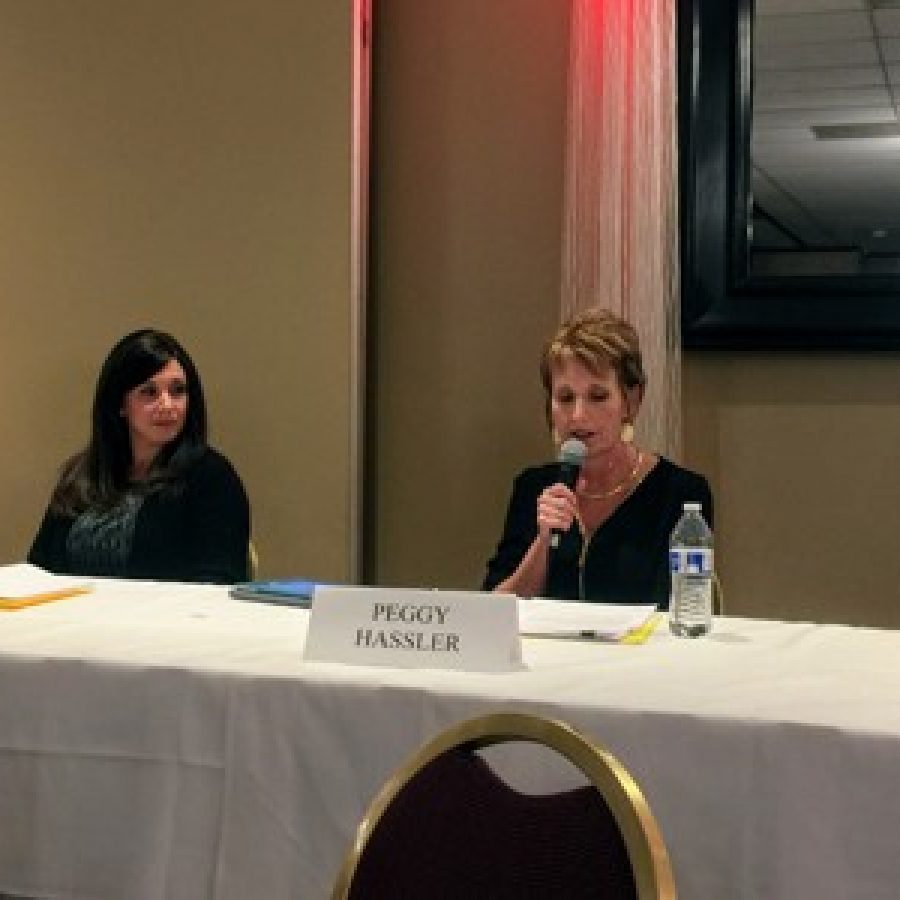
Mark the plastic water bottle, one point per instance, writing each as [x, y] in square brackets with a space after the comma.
[691, 564]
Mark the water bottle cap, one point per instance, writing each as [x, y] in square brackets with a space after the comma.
[692, 507]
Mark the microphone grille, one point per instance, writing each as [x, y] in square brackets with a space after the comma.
[572, 452]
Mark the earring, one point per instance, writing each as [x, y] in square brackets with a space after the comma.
[627, 432]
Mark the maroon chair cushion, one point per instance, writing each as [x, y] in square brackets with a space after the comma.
[457, 830]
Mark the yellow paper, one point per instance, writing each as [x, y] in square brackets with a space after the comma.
[11, 604]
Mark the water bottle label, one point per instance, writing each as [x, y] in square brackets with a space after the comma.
[698, 561]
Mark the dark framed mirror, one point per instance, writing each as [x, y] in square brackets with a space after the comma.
[789, 139]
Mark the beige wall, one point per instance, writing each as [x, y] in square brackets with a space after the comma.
[802, 452]
[469, 108]
[800, 448]
[185, 164]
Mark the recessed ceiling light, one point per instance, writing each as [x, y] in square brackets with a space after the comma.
[857, 131]
[879, 233]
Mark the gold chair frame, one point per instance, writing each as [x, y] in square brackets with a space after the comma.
[252, 560]
[643, 839]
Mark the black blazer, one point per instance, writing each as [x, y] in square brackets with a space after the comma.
[627, 559]
[199, 533]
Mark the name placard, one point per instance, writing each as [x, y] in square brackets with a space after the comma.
[415, 629]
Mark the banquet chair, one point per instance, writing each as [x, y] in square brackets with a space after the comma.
[718, 596]
[446, 825]
[252, 560]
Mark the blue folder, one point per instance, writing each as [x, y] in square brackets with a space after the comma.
[282, 591]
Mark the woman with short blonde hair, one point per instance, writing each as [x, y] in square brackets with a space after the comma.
[606, 538]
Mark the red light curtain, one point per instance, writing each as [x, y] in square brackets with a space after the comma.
[620, 221]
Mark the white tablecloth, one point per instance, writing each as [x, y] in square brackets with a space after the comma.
[169, 742]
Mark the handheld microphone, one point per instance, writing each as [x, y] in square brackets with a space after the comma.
[571, 459]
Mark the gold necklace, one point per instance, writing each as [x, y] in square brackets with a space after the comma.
[605, 495]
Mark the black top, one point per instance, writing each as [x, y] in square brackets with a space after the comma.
[196, 531]
[627, 559]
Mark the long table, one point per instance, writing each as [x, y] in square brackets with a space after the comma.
[167, 741]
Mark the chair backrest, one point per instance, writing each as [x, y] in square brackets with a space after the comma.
[252, 560]
[445, 825]
[718, 594]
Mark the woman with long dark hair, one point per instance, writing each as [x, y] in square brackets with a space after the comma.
[148, 497]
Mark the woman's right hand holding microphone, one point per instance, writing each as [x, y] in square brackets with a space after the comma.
[556, 510]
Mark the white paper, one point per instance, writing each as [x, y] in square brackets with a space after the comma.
[603, 621]
[22, 580]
